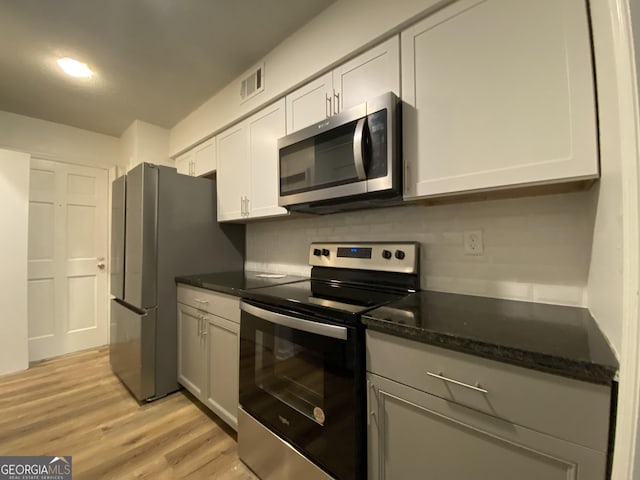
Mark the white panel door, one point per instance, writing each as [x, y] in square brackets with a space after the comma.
[264, 129]
[67, 286]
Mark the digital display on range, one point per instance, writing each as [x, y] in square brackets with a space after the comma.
[354, 252]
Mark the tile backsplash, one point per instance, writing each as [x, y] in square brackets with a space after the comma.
[535, 249]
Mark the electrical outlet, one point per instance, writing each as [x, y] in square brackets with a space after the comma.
[473, 244]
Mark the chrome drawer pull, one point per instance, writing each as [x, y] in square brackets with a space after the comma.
[476, 387]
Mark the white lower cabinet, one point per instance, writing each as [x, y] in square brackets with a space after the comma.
[414, 433]
[208, 349]
[223, 343]
[191, 349]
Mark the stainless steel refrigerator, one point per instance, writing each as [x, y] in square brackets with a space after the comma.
[163, 225]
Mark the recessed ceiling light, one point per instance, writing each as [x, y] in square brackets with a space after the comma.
[74, 67]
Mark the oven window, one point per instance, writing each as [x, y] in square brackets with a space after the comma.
[290, 373]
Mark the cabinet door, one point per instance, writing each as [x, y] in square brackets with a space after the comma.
[184, 163]
[204, 158]
[191, 348]
[223, 337]
[498, 93]
[264, 129]
[412, 433]
[233, 172]
[310, 104]
[373, 73]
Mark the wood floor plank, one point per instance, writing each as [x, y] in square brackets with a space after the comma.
[73, 405]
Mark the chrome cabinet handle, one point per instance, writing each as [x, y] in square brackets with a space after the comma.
[358, 148]
[476, 388]
[372, 413]
[327, 105]
[203, 303]
[336, 96]
[202, 329]
[244, 206]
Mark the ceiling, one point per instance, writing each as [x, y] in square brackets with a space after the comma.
[154, 60]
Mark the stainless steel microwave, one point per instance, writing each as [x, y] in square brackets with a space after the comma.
[351, 160]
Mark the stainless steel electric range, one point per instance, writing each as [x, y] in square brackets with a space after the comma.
[302, 361]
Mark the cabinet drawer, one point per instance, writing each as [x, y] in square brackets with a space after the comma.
[225, 306]
[565, 408]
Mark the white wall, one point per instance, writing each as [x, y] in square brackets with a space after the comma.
[14, 197]
[536, 249]
[57, 142]
[51, 141]
[343, 28]
[618, 40]
[144, 142]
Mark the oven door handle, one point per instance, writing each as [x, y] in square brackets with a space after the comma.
[318, 328]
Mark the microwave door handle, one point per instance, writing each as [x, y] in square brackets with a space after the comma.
[318, 328]
[358, 149]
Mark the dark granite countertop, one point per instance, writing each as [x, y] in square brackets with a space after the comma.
[236, 282]
[555, 339]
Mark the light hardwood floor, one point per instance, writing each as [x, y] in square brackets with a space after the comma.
[74, 405]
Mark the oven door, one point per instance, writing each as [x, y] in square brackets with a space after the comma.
[297, 377]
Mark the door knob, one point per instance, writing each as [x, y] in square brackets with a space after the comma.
[101, 266]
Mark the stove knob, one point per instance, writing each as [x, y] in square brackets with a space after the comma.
[317, 252]
[325, 252]
[399, 254]
[386, 254]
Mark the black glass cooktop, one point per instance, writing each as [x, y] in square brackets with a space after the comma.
[236, 282]
[324, 297]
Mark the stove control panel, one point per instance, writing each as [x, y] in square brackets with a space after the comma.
[400, 257]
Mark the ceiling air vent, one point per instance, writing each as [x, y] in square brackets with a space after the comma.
[252, 83]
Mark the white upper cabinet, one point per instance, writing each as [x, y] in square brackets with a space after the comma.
[248, 166]
[204, 158]
[184, 163]
[200, 160]
[370, 74]
[498, 93]
[373, 73]
[310, 103]
[264, 129]
[233, 172]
